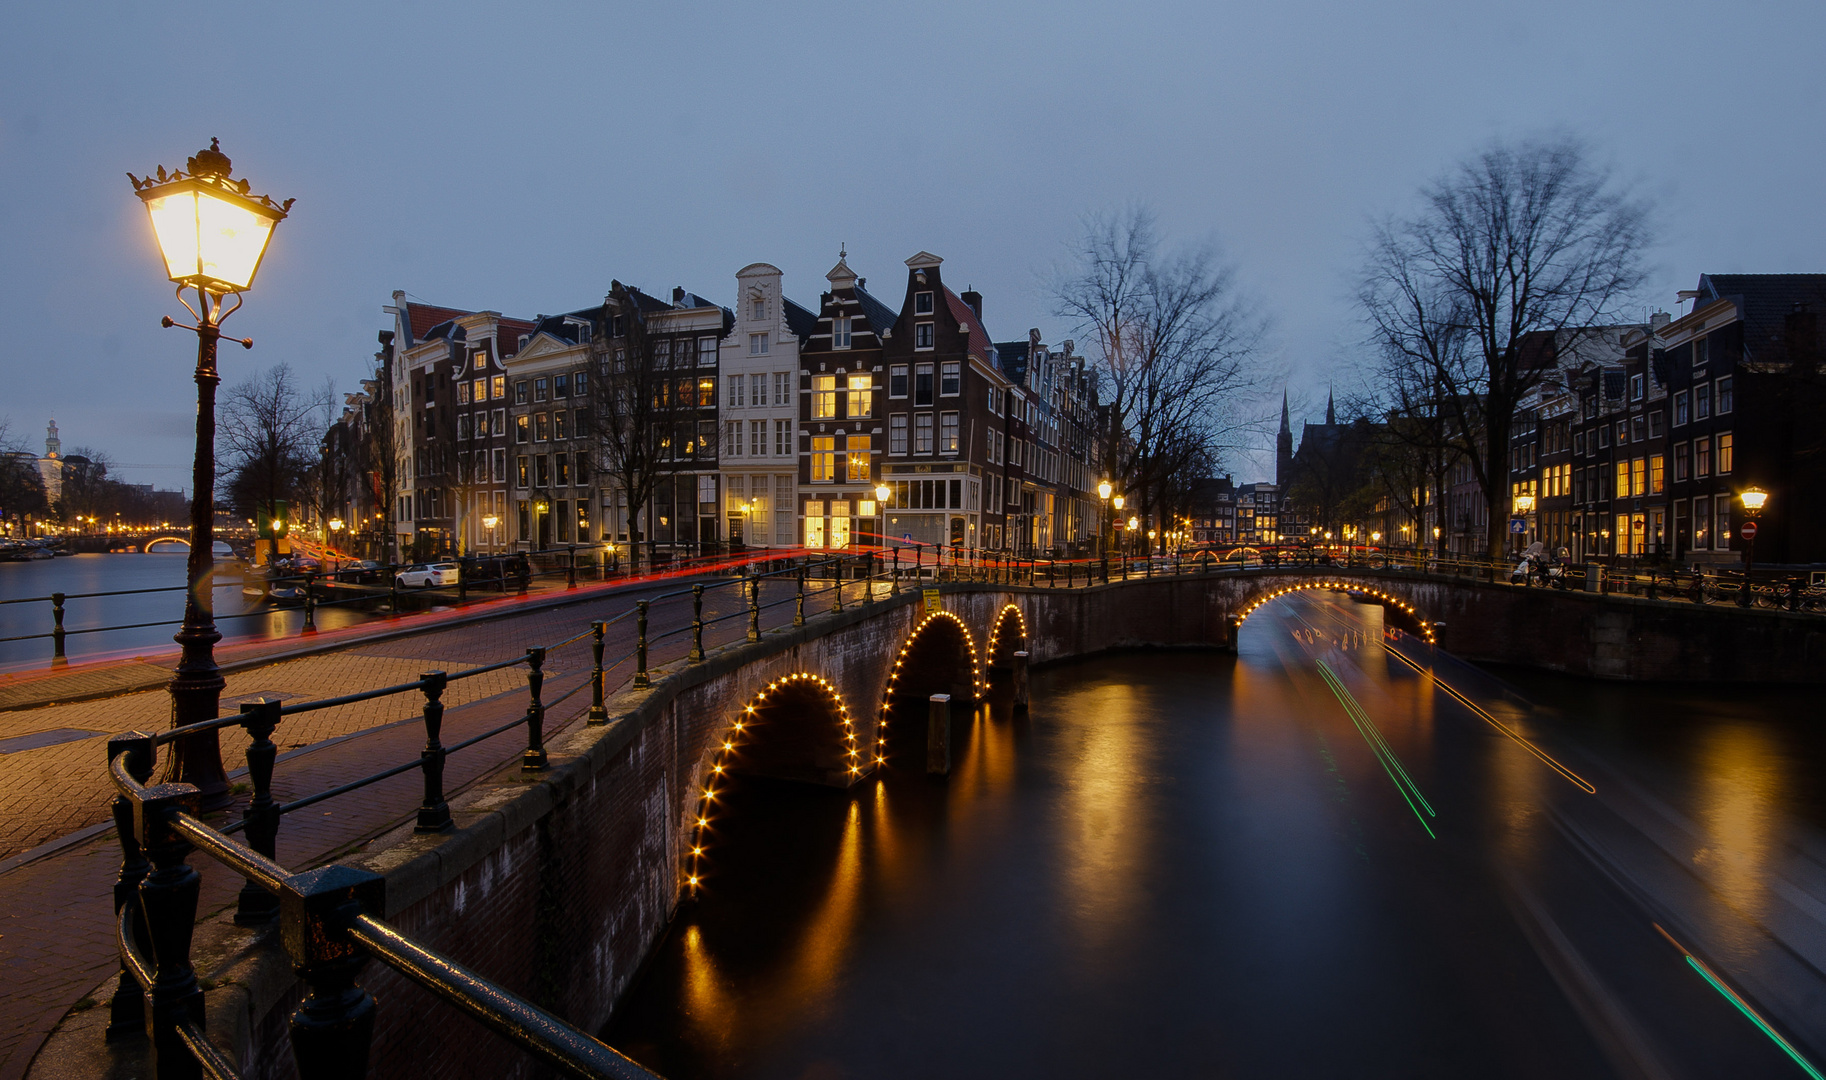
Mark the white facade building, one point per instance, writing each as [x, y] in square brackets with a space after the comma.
[759, 408]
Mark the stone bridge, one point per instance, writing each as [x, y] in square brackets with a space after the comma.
[558, 884]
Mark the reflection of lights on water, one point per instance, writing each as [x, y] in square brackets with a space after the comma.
[1743, 784]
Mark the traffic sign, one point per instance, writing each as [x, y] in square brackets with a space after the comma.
[1748, 532]
[1518, 525]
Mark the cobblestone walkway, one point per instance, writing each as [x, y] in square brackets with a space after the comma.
[56, 937]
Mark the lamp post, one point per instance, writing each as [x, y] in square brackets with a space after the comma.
[489, 521]
[1103, 515]
[1753, 499]
[212, 234]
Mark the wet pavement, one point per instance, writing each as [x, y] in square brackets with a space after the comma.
[1334, 853]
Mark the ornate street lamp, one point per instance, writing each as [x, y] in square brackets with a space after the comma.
[489, 521]
[212, 234]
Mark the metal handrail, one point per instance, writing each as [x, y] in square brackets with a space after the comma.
[329, 927]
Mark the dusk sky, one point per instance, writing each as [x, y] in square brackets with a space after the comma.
[518, 157]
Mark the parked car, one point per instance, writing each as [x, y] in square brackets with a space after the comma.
[426, 575]
[484, 568]
[358, 571]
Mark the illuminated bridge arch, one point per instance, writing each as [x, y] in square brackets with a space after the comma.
[938, 657]
[798, 728]
[1404, 613]
[148, 545]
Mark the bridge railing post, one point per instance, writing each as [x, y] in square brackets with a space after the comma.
[168, 903]
[434, 811]
[533, 759]
[259, 718]
[127, 1008]
[310, 605]
[697, 623]
[837, 593]
[57, 633]
[333, 1028]
[754, 607]
[641, 682]
[894, 580]
[570, 567]
[799, 611]
[598, 713]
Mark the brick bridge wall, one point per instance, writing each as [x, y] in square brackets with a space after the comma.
[559, 887]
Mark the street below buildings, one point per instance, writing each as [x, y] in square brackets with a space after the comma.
[1334, 853]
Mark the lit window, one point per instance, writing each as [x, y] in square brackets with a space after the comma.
[824, 397]
[500, 386]
[947, 433]
[824, 458]
[1702, 457]
[542, 427]
[560, 421]
[861, 403]
[1724, 452]
[857, 449]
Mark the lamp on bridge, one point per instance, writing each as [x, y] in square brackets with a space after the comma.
[212, 233]
[1103, 493]
[489, 521]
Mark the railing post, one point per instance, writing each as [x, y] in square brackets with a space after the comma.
[837, 593]
[868, 577]
[1794, 594]
[168, 903]
[754, 607]
[434, 812]
[127, 1009]
[799, 615]
[598, 713]
[310, 605]
[641, 682]
[1699, 586]
[1652, 575]
[259, 718]
[570, 574]
[57, 633]
[894, 582]
[334, 1026]
[534, 758]
[697, 623]
[393, 594]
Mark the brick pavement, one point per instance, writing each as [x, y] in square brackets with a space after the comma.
[56, 939]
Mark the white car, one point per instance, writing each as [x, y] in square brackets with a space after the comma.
[425, 575]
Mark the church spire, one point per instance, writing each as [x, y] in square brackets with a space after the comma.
[1331, 415]
[1286, 426]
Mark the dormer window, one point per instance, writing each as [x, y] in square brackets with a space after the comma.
[758, 310]
[922, 303]
[523, 340]
[583, 333]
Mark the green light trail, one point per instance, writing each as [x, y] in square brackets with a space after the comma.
[1385, 755]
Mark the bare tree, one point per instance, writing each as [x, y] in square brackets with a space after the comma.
[87, 486]
[634, 412]
[1529, 238]
[21, 485]
[270, 430]
[1176, 352]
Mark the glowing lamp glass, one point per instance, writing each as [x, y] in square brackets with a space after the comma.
[1754, 498]
[210, 237]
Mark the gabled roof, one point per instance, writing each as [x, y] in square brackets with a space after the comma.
[979, 337]
[1765, 301]
[881, 317]
[801, 322]
[421, 318]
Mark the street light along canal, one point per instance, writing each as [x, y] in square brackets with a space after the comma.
[212, 233]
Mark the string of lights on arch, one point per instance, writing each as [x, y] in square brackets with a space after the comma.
[1426, 628]
[732, 741]
[995, 630]
[887, 694]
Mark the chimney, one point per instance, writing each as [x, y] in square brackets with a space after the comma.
[975, 300]
[1658, 320]
[678, 294]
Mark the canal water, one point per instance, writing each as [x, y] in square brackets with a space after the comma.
[1303, 860]
[236, 617]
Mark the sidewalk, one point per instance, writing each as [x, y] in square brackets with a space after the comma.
[56, 935]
